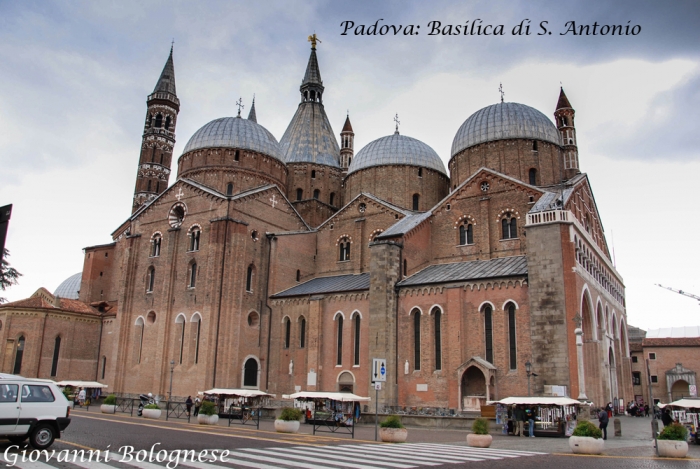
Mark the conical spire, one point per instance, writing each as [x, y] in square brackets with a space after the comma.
[347, 127]
[313, 74]
[251, 114]
[166, 82]
[563, 100]
[312, 86]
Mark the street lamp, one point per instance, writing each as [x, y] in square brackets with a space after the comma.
[528, 371]
[172, 368]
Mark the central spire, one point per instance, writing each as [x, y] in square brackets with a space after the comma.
[166, 82]
[312, 85]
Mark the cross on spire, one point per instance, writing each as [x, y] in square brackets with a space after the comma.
[396, 119]
[500, 90]
[240, 105]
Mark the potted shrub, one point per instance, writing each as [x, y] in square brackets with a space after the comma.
[109, 405]
[480, 437]
[673, 441]
[207, 414]
[587, 439]
[151, 411]
[288, 422]
[392, 430]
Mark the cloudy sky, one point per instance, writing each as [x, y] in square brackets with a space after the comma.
[75, 76]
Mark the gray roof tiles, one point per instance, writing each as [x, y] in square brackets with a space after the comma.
[309, 137]
[70, 287]
[339, 283]
[166, 82]
[459, 271]
[235, 132]
[396, 149]
[405, 225]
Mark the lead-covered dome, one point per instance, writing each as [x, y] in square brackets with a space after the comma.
[396, 149]
[235, 132]
[504, 121]
[70, 287]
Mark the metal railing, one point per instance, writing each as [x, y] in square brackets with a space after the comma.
[177, 410]
[333, 423]
[244, 416]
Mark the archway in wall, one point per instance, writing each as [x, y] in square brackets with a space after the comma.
[613, 375]
[473, 389]
[593, 375]
[250, 373]
[680, 389]
[346, 382]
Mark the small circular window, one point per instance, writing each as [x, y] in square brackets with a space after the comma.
[177, 215]
[253, 319]
[254, 235]
[362, 208]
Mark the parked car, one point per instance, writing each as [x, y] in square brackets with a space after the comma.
[32, 408]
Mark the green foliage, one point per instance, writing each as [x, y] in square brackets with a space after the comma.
[392, 421]
[586, 428]
[66, 391]
[480, 426]
[151, 406]
[208, 408]
[675, 431]
[110, 400]
[8, 275]
[290, 414]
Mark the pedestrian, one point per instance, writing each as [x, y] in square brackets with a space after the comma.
[666, 418]
[603, 423]
[81, 397]
[519, 418]
[531, 421]
[609, 408]
[197, 405]
[646, 410]
[188, 404]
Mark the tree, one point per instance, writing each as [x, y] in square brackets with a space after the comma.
[8, 275]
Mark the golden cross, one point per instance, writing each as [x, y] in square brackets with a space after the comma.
[313, 39]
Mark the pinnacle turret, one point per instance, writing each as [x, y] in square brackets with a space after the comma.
[312, 86]
[563, 102]
[251, 115]
[166, 82]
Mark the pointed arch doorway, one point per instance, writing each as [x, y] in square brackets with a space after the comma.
[476, 378]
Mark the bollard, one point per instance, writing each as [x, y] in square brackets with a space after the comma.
[654, 428]
[618, 427]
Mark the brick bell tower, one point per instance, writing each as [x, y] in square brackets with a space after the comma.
[564, 117]
[158, 138]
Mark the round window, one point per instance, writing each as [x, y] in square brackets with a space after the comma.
[177, 215]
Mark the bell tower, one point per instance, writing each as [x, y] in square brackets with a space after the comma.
[158, 138]
[564, 117]
[347, 142]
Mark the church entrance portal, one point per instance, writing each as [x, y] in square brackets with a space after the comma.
[473, 389]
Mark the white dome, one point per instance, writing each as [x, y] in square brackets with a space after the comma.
[504, 121]
[235, 132]
[70, 287]
[397, 150]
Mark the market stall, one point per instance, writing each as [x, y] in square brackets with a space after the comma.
[553, 416]
[93, 389]
[241, 406]
[330, 412]
[687, 412]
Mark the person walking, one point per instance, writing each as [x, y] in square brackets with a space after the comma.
[197, 405]
[603, 422]
[188, 404]
[81, 396]
[666, 418]
[531, 421]
[519, 418]
[646, 410]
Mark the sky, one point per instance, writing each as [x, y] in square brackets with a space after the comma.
[75, 76]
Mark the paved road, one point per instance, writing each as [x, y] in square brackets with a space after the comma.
[264, 449]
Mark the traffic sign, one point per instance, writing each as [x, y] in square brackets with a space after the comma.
[378, 386]
[378, 370]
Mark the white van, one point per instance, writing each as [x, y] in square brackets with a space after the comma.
[32, 408]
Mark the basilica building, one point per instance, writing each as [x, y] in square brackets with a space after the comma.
[289, 265]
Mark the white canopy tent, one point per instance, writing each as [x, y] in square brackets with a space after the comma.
[539, 401]
[688, 403]
[334, 396]
[239, 392]
[81, 384]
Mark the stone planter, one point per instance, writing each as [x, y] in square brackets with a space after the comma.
[393, 435]
[586, 445]
[479, 441]
[287, 426]
[672, 448]
[107, 408]
[151, 413]
[207, 419]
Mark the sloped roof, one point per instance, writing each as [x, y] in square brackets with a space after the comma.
[514, 266]
[310, 138]
[673, 332]
[338, 283]
[405, 225]
[166, 82]
[563, 100]
[41, 299]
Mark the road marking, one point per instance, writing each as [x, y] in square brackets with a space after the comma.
[92, 464]
[33, 465]
[504, 453]
[435, 456]
[276, 460]
[334, 454]
[372, 454]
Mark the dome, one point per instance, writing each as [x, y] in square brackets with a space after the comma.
[397, 149]
[235, 132]
[503, 121]
[70, 287]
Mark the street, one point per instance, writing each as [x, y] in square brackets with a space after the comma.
[115, 441]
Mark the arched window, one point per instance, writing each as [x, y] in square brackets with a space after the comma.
[155, 245]
[287, 332]
[437, 316]
[357, 340]
[466, 234]
[151, 280]
[405, 267]
[313, 174]
[193, 275]
[416, 200]
[250, 373]
[416, 339]
[488, 332]
[344, 253]
[229, 188]
[339, 356]
[300, 193]
[181, 325]
[194, 239]
[420, 172]
[148, 187]
[140, 325]
[18, 355]
[198, 329]
[150, 120]
[158, 186]
[533, 176]
[249, 279]
[167, 123]
[511, 336]
[56, 351]
[159, 121]
[332, 199]
[317, 193]
[509, 226]
[298, 275]
[534, 145]
[302, 332]
[236, 155]
[104, 366]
